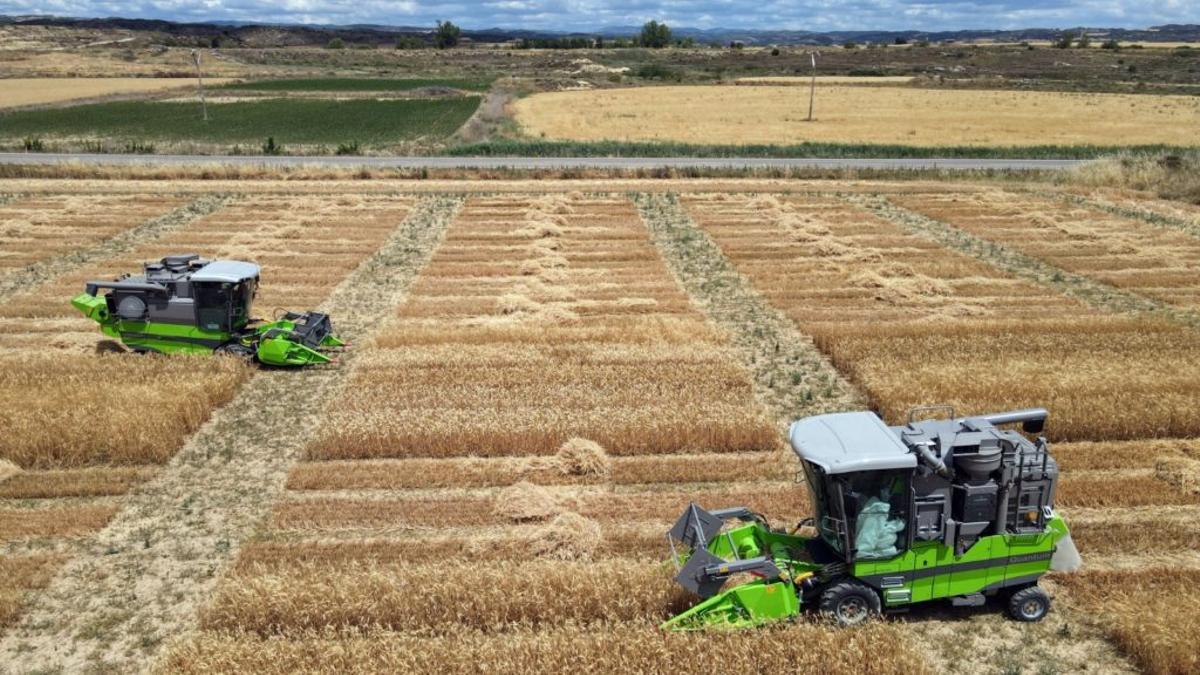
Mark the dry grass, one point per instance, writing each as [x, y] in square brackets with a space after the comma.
[781, 501]
[581, 457]
[629, 647]
[608, 648]
[61, 413]
[1181, 472]
[18, 576]
[1156, 262]
[525, 502]
[441, 598]
[508, 347]
[1141, 172]
[1149, 613]
[37, 229]
[59, 521]
[30, 91]
[1120, 491]
[914, 323]
[89, 482]
[763, 114]
[467, 472]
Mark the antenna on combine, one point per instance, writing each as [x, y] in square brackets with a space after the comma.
[812, 86]
[200, 83]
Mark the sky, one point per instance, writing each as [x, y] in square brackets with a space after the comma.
[583, 15]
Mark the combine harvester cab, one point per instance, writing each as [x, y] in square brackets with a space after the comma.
[187, 305]
[955, 509]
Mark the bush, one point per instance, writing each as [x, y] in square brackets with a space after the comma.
[350, 148]
[335, 43]
[409, 42]
[1110, 44]
[1064, 41]
[139, 148]
[774, 51]
[33, 144]
[657, 71]
[271, 148]
[850, 45]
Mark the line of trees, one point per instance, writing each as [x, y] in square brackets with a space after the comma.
[654, 35]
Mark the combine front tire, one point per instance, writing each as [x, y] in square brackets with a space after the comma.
[1029, 604]
[849, 603]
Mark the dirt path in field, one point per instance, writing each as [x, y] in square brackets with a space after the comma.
[1095, 293]
[791, 376]
[170, 221]
[795, 380]
[140, 582]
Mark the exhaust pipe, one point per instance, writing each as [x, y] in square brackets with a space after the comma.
[1032, 420]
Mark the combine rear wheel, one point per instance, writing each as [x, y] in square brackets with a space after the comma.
[849, 603]
[1029, 604]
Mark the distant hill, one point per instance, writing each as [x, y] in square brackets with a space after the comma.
[235, 34]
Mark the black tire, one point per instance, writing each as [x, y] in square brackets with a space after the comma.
[1029, 604]
[849, 603]
[237, 349]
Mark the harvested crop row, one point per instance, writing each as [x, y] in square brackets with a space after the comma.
[86, 482]
[634, 647]
[914, 323]
[1156, 262]
[466, 472]
[36, 229]
[539, 320]
[781, 501]
[57, 521]
[632, 540]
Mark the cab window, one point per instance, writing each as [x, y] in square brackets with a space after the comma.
[876, 505]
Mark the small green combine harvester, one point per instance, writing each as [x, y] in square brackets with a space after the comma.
[187, 305]
[953, 508]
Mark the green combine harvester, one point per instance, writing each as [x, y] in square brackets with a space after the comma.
[187, 305]
[955, 509]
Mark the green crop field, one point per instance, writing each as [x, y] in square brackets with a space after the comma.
[289, 121]
[361, 84]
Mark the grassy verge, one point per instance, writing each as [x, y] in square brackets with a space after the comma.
[289, 121]
[536, 148]
[361, 84]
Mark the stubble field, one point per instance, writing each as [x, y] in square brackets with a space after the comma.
[858, 114]
[487, 487]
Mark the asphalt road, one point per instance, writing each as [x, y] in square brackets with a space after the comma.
[546, 162]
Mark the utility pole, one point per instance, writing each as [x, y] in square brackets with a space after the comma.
[200, 83]
[813, 84]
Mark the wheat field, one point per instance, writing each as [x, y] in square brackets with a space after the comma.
[488, 486]
[858, 114]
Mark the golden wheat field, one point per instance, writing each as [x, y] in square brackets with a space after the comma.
[858, 114]
[487, 479]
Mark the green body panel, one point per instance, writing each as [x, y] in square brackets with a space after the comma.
[166, 338]
[928, 571]
[931, 570]
[170, 338]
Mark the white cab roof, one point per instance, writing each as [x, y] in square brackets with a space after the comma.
[851, 441]
[229, 271]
